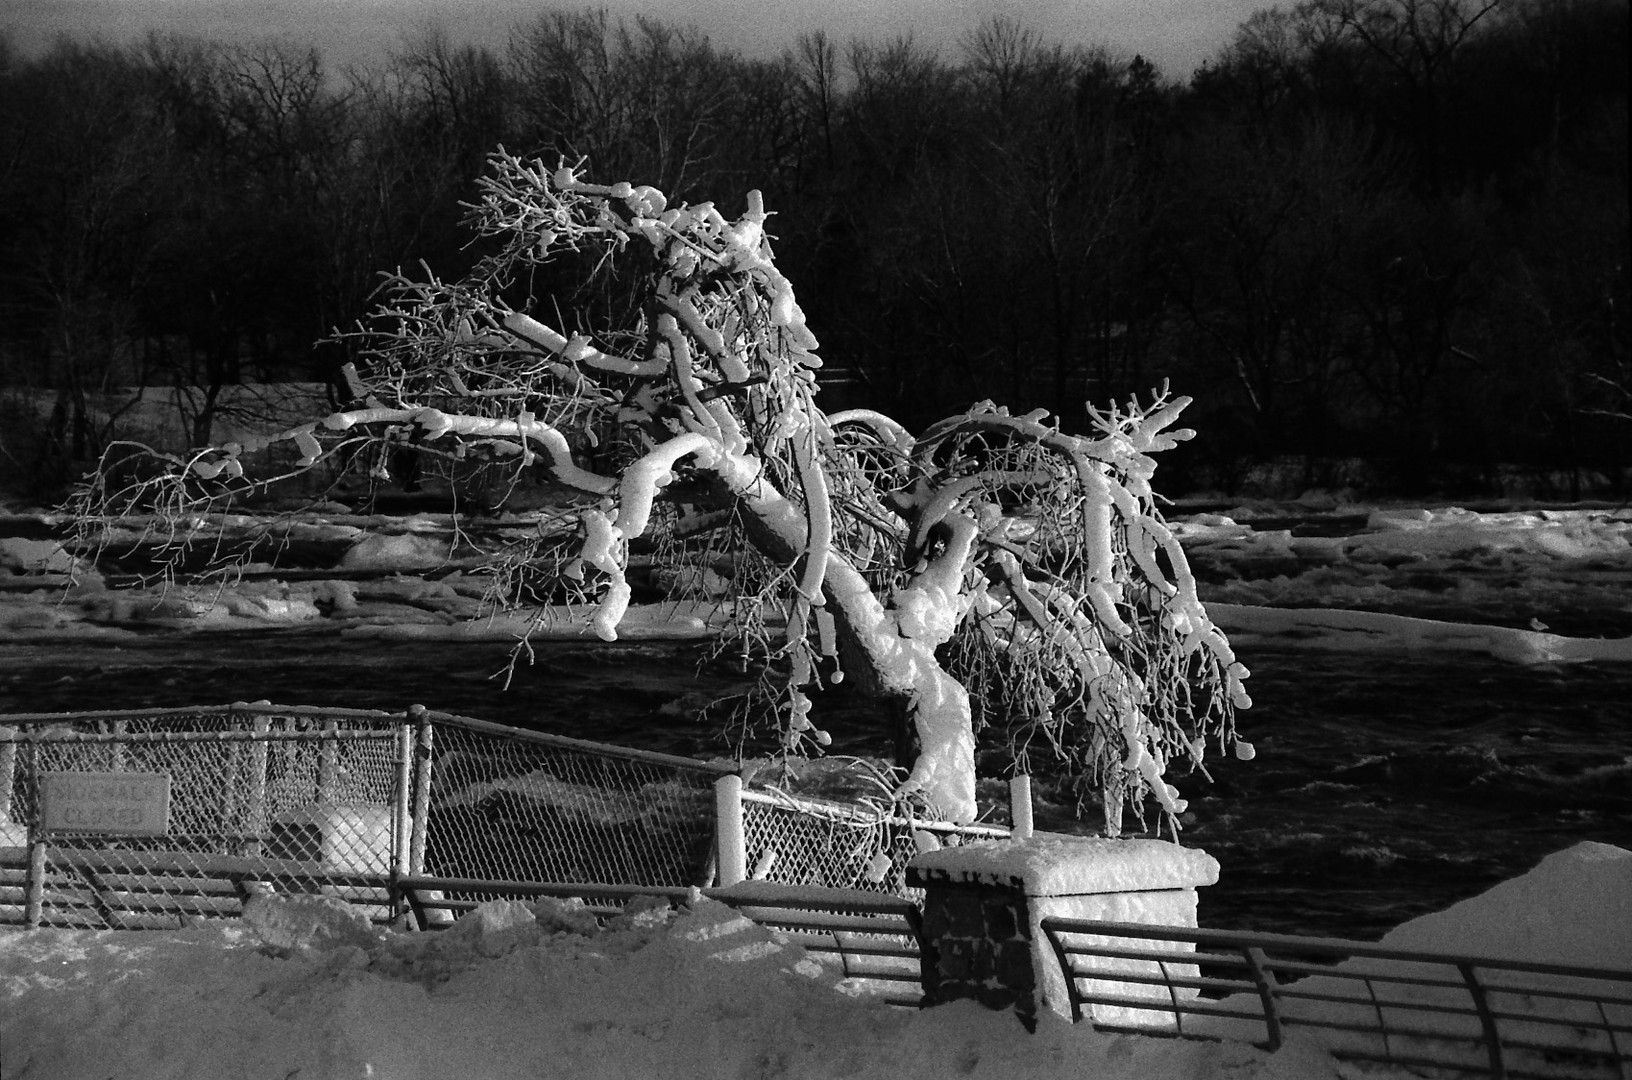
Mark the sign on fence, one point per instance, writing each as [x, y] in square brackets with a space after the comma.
[120, 804]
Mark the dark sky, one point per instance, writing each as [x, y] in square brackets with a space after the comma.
[1176, 34]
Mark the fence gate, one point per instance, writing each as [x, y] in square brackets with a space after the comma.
[155, 819]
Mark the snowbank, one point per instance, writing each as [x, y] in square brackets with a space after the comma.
[521, 991]
[517, 990]
[1574, 908]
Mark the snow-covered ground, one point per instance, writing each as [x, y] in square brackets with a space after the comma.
[521, 991]
[1385, 578]
[704, 994]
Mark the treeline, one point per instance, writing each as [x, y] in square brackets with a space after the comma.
[1389, 229]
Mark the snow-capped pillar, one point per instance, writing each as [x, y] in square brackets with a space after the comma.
[984, 905]
[731, 847]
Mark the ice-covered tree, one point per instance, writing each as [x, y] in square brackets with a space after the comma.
[993, 572]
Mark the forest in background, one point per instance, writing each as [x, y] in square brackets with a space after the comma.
[1389, 231]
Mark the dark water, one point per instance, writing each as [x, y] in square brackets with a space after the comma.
[1385, 785]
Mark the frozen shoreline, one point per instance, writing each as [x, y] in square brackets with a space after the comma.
[400, 578]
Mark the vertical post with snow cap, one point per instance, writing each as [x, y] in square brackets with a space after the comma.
[1020, 807]
[422, 788]
[729, 838]
[401, 806]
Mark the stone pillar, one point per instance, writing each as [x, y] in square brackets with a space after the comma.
[984, 904]
[977, 942]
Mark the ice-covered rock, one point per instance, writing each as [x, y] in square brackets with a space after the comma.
[22, 556]
[396, 551]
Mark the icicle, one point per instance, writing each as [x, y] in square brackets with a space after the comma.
[762, 866]
[825, 632]
[524, 423]
[878, 867]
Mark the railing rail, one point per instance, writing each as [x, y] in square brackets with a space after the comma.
[1369, 1003]
[873, 939]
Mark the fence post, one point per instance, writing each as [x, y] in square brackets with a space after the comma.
[1266, 996]
[34, 883]
[328, 759]
[402, 808]
[1020, 807]
[729, 838]
[258, 823]
[422, 788]
[34, 902]
[1487, 1021]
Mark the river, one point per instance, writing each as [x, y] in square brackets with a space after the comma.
[1385, 785]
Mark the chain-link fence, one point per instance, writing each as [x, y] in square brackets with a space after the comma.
[155, 818]
[809, 842]
[507, 804]
[136, 820]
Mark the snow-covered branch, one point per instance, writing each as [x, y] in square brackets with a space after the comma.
[995, 571]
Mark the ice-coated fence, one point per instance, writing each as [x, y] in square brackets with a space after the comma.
[138, 820]
[510, 804]
[153, 818]
[808, 842]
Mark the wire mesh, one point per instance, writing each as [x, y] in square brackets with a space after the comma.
[233, 803]
[340, 802]
[516, 806]
[807, 842]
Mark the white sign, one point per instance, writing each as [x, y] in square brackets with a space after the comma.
[119, 804]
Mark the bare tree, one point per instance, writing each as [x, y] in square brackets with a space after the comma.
[1033, 561]
[1419, 44]
[643, 99]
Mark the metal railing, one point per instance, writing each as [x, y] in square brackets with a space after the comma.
[1467, 1015]
[873, 940]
